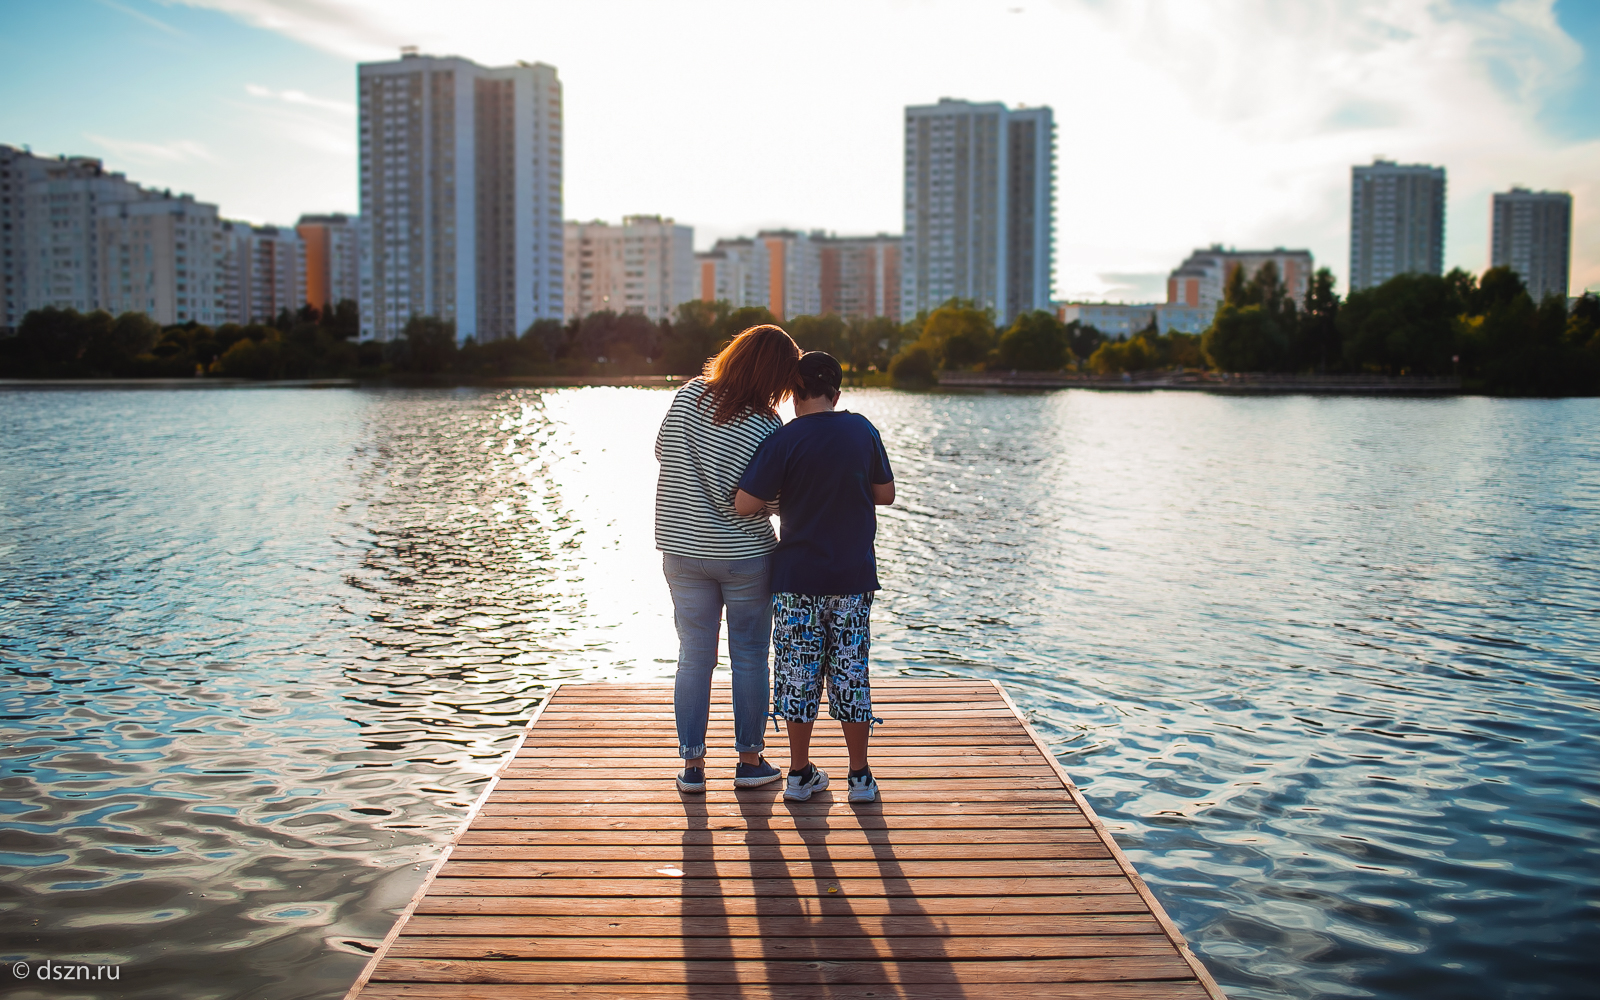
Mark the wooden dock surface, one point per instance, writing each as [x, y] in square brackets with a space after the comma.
[980, 872]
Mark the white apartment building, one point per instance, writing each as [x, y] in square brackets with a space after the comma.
[1531, 233]
[74, 236]
[460, 195]
[736, 271]
[1201, 281]
[645, 266]
[159, 256]
[1122, 319]
[1396, 222]
[49, 244]
[979, 207]
[333, 258]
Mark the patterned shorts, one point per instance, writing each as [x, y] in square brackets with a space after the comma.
[815, 635]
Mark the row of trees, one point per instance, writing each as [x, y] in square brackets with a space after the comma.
[1488, 330]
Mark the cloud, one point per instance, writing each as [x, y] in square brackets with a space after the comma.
[140, 15]
[300, 97]
[351, 29]
[149, 153]
[1180, 123]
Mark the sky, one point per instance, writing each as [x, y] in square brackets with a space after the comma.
[1180, 123]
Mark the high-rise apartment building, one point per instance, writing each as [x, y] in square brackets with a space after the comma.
[794, 275]
[1531, 233]
[859, 276]
[1396, 222]
[1202, 280]
[645, 266]
[159, 256]
[460, 195]
[333, 258]
[50, 251]
[76, 236]
[979, 207]
[735, 271]
[263, 271]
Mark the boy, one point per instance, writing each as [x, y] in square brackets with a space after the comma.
[827, 469]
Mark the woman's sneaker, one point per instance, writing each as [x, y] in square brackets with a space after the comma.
[801, 785]
[862, 787]
[692, 779]
[755, 775]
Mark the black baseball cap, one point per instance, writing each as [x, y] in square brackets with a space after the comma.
[823, 367]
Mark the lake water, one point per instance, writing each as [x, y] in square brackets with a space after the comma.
[1327, 667]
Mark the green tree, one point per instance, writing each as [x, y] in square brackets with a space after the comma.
[958, 335]
[820, 333]
[343, 320]
[1084, 340]
[872, 342]
[695, 334]
[1405, 326]
[913, 366]
[1254, 326]
[1318, 344]
[427, 346]
[253, 358]
[1036, 341]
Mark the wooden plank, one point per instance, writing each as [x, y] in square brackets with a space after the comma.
[779, 947]
[638, 791]
[586, 835]
[821, 886]
[1146, 990]
[979, 872]
[818, 926]
[893, 771]
[715, 908]
[1058, 970]
[905, 814]
[799, 868]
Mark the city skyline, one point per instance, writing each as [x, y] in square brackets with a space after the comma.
[1176, 128]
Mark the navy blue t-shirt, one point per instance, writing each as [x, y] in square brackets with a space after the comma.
[821, 468]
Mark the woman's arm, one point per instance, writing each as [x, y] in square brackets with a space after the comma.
[883, 493]
[746, 505]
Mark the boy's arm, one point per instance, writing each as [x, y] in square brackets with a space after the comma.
[883, 493]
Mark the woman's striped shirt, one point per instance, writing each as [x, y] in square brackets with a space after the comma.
[701, 463]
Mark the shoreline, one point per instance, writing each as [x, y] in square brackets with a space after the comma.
[1258, 384]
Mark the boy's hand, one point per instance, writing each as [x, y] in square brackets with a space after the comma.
[746, 505]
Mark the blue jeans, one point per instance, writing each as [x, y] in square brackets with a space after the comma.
[700, 588]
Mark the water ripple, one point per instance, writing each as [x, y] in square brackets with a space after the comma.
[1324, 666]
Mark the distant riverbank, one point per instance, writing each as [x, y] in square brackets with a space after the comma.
[1235, 384]
[1247, 383]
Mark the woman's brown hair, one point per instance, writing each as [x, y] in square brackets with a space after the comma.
[752, 374]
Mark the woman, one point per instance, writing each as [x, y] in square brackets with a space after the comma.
[712, 556]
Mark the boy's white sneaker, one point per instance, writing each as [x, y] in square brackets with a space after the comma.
[863, 788]
[798, 789]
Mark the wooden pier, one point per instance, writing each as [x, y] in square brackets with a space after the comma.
[980, 872]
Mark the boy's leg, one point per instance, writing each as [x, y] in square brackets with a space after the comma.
[856, 735]
[799, 744]
[749, 603]
[796, 670]
[849, 630]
